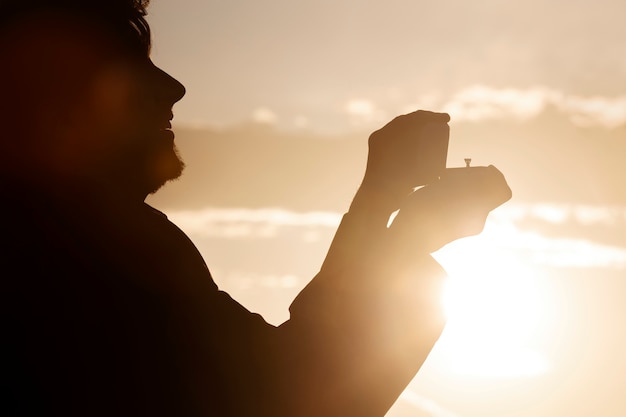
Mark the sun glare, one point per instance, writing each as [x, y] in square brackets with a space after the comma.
[497, 309]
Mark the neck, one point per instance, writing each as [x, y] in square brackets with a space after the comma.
[76, 186]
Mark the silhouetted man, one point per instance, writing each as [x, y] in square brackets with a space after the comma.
[108, 309]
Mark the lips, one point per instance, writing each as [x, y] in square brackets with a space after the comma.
[162, 123]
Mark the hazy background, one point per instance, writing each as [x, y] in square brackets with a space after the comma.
[281, 99]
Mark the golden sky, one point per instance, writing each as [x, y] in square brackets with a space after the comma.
[323, 63]
[538, 88]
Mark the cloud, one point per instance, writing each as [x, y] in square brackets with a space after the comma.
[566, 252]
[549, 212]
[473, 103]
[359, 107]
[590, 215]
[506, 230]
[574, 253]
[480, 102]
[582, 214]
[560, 213]
[248, 280]
[264, 115]
[592, 111]
[250, 223]
[274, 216]
[364, 112]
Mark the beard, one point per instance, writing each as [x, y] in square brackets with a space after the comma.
[161, 165]
[144, 166]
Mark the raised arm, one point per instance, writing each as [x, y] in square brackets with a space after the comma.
[363, 327]
[371, 316]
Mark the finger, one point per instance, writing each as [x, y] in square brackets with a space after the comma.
[408, 124]
[429, 116]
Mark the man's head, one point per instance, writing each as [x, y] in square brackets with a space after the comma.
[81, 99]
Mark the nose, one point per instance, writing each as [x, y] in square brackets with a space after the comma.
[169, 88]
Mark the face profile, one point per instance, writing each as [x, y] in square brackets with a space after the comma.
[137, 98]
[91, 103]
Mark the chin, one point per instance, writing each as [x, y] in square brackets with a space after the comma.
[146, 165]
[168, 166]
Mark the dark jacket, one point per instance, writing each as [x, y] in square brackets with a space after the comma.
[108, 309]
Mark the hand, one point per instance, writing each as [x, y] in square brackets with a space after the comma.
[454, 207]
[401, 156]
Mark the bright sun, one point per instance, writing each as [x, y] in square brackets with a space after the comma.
[497, 308]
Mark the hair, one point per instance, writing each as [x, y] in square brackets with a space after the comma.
[125, 17]
[35, 91]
